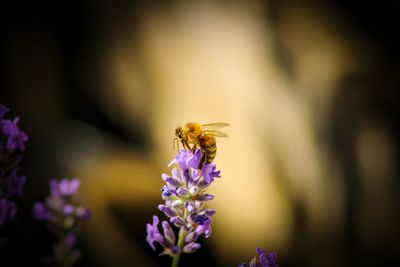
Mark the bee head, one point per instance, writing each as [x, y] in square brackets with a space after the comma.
[179, 133]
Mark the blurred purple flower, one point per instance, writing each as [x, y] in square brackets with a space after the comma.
[262, 260]
[65, 187]
[8, 210]
[64, 215]
[12, 143]
[40, 212]
[14, 183]
[15, 137]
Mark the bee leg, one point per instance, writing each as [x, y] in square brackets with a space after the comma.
[202, 161]
[175, 144]
[194, 148]
[186, 145]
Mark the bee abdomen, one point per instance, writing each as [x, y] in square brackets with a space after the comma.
[208, 144]
[210, 156]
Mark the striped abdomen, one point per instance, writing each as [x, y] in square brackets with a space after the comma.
[209, 147]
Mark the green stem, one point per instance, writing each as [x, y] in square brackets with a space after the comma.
[181, 241]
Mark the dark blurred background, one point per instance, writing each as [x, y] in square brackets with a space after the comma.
[310, 89]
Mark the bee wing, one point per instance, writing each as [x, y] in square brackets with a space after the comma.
[214, 126]
[216, 133]
[213, 129]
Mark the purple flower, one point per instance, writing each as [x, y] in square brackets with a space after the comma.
[167, 191]
[63, 203]
[15, 137]
[204, 228]
[263, 260]
[40, 212]
[12, 143]
[185, 194]
[64, 215]
[153, 235]
[191, 247]
[68, 209]
[210, 173]
[8, 210]
[166, 241]
[194, 161]
[14, 183]
[65, 187]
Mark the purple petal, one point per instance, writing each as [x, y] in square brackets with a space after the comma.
[167, 191]
[177, 221]
[196, 174]
[210, 212]
[153, 234]
[199, 218]
[190, 207]
[182, 159]
[68, 187]
[194, 161]
[263, 257]
[40, 212]
[171, 181]
[68, 209]
[182, 192]
[205, 229]
[206, 197]
[191, 237]
[272, 259]
[53, 184]
[209, 173]
[186, 176]
[191, 247]
[167, 210]
[168, 232]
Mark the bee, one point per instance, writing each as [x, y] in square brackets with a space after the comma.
[196, 135]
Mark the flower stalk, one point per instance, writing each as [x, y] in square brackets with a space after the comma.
[12, 145]
[181, 241]
[185, 196]
[64, 215]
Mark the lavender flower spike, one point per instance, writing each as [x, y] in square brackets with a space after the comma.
[185, 195]
[12, 144]
[64, 215]
[263, 260]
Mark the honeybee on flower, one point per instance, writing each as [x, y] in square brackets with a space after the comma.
[195, 135]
